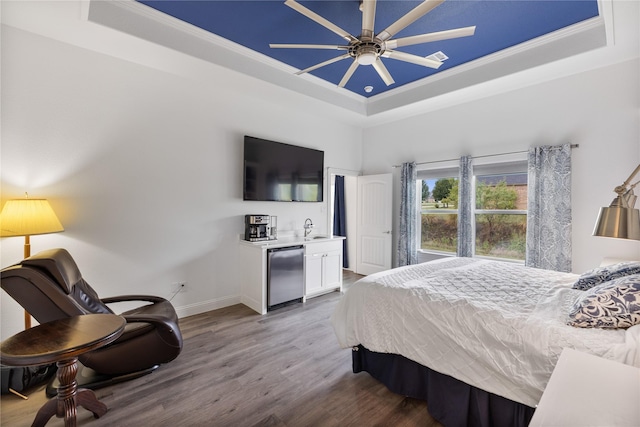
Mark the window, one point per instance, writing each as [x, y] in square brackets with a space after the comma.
[439, 214]
[499, 210]
[501, 215]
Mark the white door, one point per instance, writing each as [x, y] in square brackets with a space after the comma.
[374, 223]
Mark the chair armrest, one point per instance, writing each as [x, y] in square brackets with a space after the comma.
[166, 328]
[147, 318]
[123, 298]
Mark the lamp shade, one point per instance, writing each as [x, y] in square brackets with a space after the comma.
[620, 222]
[28, 217]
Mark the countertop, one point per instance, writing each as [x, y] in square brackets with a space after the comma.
[285, 241]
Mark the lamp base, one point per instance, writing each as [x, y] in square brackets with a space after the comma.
[27, 254]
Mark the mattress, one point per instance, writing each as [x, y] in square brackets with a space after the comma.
[498, 326]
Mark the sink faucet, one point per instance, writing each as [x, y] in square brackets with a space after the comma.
[308, 225]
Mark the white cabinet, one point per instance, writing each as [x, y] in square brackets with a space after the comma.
[323, 267]
[253, 276]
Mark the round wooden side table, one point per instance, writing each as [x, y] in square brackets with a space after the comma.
[62, 341]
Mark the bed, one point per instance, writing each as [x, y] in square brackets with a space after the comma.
[478, 339]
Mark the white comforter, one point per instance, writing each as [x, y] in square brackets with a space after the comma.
[495, 325]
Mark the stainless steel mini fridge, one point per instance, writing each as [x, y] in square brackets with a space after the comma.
[285, 275]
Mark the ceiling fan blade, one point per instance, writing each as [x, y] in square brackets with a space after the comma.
[431, 37]
[319, 19]
[383, 72]
[368, 18]
[322, 64]
[349, 73]
[307, 46]
[414, 59]
[417, 12]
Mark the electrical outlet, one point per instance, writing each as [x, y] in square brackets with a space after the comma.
[179, 287]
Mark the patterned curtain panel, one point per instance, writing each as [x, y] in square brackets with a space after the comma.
[465, 232]
[407, 241]
[549, 208]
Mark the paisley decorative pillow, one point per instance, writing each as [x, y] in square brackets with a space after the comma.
[613, 304]
[604, 274]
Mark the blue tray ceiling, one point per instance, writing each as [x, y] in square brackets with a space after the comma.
[499, 25]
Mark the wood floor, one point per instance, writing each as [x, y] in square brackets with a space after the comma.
[242, 369]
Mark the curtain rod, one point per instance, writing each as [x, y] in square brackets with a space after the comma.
[479, 157]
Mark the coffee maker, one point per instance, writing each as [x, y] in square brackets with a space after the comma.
[260, 227]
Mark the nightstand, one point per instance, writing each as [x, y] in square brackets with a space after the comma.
[586, 390]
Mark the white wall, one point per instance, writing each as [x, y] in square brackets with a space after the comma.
[140, 157]
[143, 167]
[599, 110]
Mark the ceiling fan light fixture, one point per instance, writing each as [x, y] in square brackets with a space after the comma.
[367, 58]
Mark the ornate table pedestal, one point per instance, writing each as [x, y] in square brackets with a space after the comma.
[62, 341]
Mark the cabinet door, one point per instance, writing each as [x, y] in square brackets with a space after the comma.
[332, 270]
[313, 273]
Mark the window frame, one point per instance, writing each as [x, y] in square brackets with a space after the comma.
[445, 169]
[512, 163]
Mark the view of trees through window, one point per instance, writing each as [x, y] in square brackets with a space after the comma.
[439, 215]
[500, 215]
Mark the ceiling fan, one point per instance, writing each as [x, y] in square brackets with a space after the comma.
[368, 48]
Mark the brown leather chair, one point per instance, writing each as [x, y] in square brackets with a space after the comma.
[49, 286]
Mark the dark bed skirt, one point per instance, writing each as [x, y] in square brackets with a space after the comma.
[452, 402]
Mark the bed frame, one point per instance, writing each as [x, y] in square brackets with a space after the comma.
[451, 401]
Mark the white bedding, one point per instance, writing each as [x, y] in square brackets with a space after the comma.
[497, 326]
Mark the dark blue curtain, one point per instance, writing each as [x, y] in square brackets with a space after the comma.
[340, 218]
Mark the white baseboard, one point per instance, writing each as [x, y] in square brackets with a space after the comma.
[252, 304]
[204, 306]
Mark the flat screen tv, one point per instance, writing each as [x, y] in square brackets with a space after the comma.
[279, 172]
